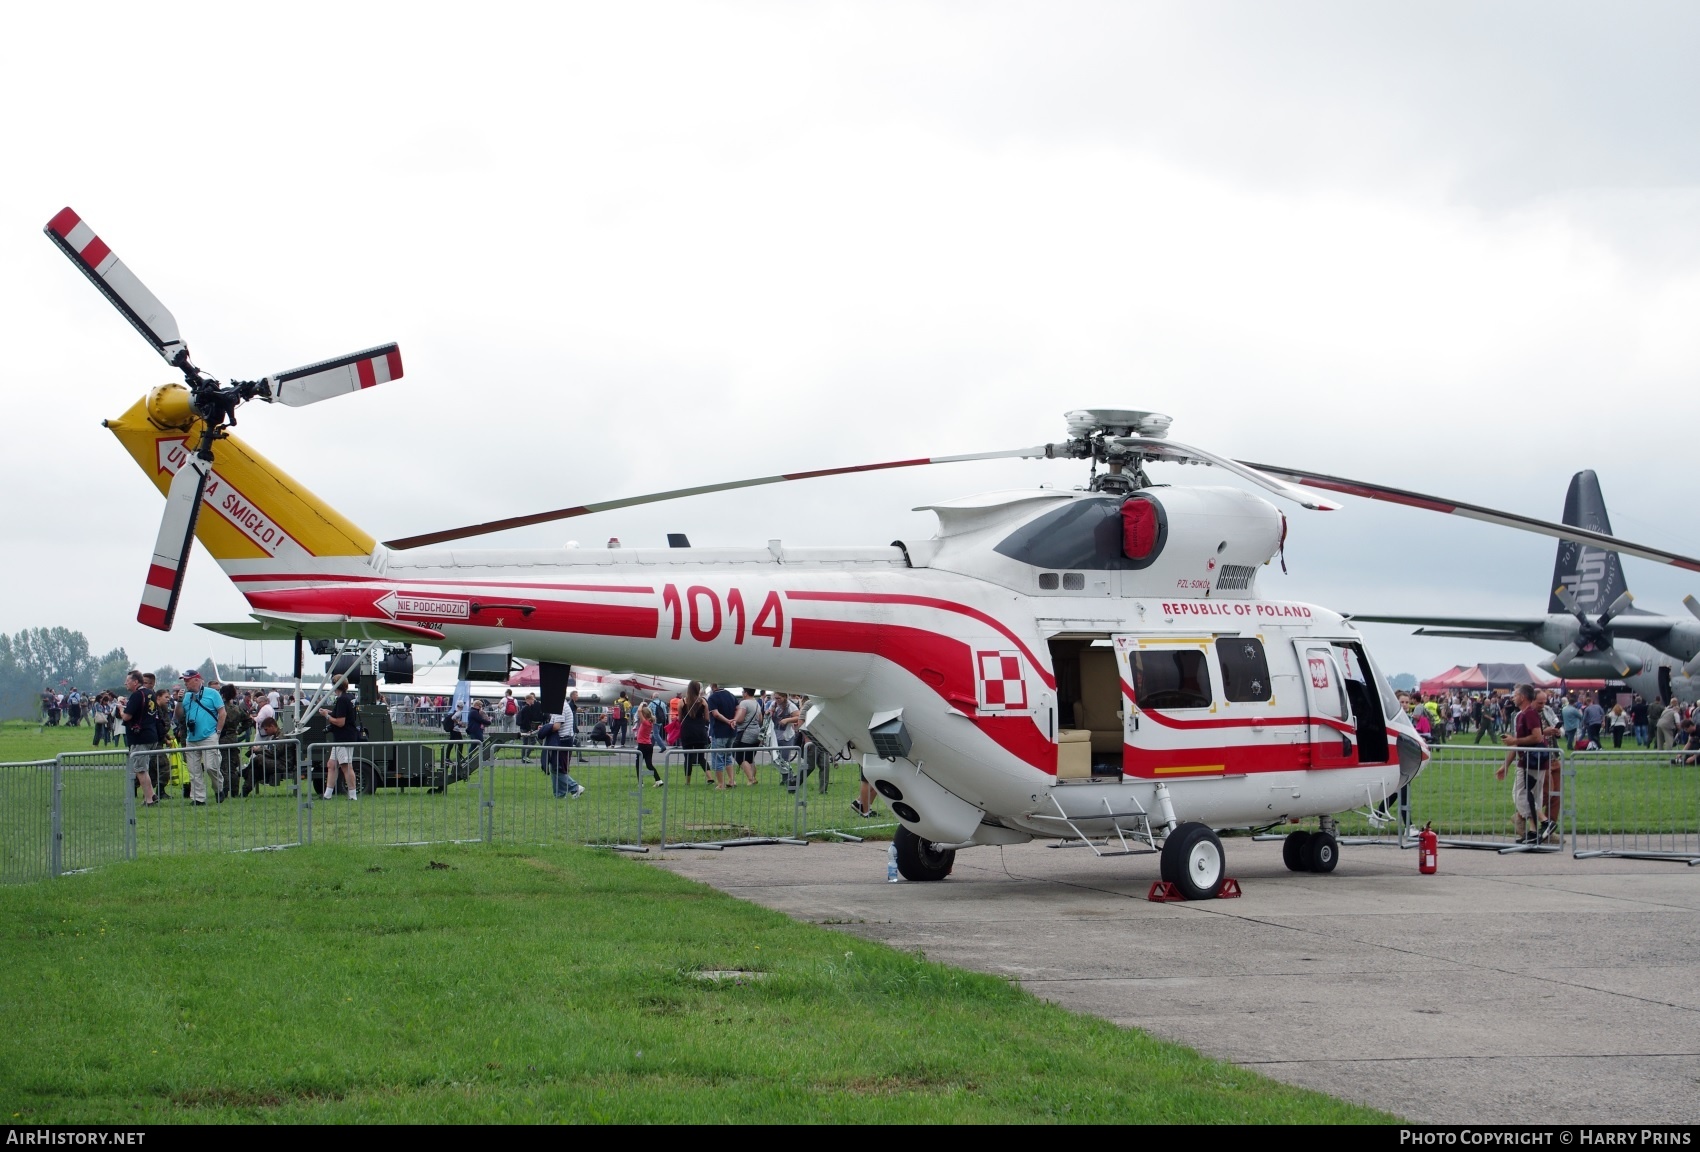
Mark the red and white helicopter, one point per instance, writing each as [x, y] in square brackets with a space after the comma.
[1088, 664]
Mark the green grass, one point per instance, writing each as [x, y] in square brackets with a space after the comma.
[27, 740]
[369, 984]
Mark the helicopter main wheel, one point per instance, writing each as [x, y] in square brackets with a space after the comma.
[1322, 853]
[1294, 851]
[1193, 862]
[918, 859]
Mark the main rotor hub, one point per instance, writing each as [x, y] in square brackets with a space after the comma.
[1103, 436]
[1091, 423]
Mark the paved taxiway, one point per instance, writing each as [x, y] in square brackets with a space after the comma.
[1516, 989]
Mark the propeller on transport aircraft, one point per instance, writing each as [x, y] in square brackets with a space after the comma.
[1693, 606]
[211, 401]
[1595, 637]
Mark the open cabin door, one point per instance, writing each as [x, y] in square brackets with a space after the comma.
[1333, 727]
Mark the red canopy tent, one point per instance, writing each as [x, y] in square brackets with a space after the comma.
[1485, 677]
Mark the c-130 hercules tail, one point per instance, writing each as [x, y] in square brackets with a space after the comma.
[1590, 625]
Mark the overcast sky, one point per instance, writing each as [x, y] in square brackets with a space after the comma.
[1451, 247]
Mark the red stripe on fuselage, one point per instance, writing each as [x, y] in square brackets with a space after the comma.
[474, 585]
[574, 617]
[929, 602]
[1168, 721]
[930, 657]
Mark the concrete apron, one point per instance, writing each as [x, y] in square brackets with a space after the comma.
[1519, 989]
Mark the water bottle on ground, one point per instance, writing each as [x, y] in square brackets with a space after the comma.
[891, 876]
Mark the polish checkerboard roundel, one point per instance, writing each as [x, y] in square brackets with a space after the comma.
[998, 677]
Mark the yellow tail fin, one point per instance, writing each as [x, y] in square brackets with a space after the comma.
[254, 517]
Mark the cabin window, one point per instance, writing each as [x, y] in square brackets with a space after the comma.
[1245, 669]
[1074, 581]
[1047, 581]
[1167, 679]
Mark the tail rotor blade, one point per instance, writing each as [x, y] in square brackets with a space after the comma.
[299, 387]
[171, 549]
[117, 283]
[471, 530]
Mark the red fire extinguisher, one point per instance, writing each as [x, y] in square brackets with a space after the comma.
[1428, 850]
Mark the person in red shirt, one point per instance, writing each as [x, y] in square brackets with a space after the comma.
[1528, 790]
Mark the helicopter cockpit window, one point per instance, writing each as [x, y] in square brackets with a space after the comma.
[1082, 535]
[1245, 669]
[1171, 679]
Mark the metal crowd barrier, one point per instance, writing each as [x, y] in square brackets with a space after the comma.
[83, 809]
[1460, 795]
[712, 801]
[614, 810]
[410, 792]
[1638, 805]
[27, 817]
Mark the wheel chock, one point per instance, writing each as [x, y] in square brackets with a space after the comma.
[1163, 892]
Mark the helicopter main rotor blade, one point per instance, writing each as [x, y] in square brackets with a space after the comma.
[1264, 478]
[117, 283]
[1477, 512]
[428, 538]
[171, 550]
[299, 387]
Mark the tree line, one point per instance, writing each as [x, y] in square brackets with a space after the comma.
[37, 659]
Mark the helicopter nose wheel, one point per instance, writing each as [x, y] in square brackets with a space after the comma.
[919, 859]
[1193, 862]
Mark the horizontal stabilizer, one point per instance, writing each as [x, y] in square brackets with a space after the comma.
[281, 625]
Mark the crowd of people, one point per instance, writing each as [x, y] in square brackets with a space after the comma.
[719, 731]
[192, 727]
[1531, 722]
[1584, 722]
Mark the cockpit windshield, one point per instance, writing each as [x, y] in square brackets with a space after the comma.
[1082, 535]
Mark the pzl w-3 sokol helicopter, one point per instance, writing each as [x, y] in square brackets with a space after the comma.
[1066, 664]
